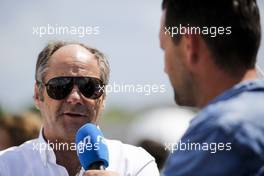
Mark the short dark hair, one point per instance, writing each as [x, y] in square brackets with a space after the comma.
[231, 52]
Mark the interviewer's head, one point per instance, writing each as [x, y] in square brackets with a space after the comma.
[194, 61]
[68, 90]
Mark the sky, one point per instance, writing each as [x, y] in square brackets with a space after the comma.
[128, 35]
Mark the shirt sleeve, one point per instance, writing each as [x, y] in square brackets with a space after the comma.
[210, 152]
[149, 169]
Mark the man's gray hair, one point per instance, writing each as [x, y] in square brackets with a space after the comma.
[47, 52]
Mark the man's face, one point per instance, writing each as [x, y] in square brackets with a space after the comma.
[175, 67]
[64, 117]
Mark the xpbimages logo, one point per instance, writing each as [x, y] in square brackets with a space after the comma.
[87, 145]
[144, 89]
[211, 31]
[211, 147]
[80, 31]
[84, 145]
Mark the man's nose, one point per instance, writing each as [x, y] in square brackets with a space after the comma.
[75, 96]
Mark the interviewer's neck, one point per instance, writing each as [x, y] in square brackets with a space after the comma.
[218, 82]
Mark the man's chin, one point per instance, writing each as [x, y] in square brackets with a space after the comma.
[178, 101]
[182, 101]
[70, 125]
[70, 130]
[74, 122]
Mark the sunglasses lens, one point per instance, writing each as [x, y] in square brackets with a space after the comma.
[59, 88]
[91, 87]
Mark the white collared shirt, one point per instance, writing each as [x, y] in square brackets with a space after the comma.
[29, 160]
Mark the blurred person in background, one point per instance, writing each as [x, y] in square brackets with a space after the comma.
[156, 149]
[69, 78]
[17, 129]
[215, 71]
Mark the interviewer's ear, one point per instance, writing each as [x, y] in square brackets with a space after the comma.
[193, 48]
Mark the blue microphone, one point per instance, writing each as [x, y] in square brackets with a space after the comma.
[91, 147]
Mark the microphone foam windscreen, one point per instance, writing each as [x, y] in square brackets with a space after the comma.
[91, 146]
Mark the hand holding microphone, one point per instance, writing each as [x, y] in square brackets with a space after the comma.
[100, 173]
[92, 151]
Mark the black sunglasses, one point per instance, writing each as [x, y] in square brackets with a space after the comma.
[59, 88]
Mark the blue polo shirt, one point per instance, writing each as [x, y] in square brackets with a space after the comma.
[226, 138]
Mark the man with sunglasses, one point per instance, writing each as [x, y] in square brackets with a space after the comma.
[69, 93]
[217, 73]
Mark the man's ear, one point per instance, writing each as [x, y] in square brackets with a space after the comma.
[193, 50]
[102, 101]
[38, 97]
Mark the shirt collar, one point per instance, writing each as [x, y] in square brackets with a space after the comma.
[250, 85]
[245, 86]
[46, 152]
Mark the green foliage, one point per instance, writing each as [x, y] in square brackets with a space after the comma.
[115, 114]
[2, 112]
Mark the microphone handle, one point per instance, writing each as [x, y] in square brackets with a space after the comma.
[99, 165]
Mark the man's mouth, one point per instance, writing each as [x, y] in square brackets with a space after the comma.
[74, 114]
